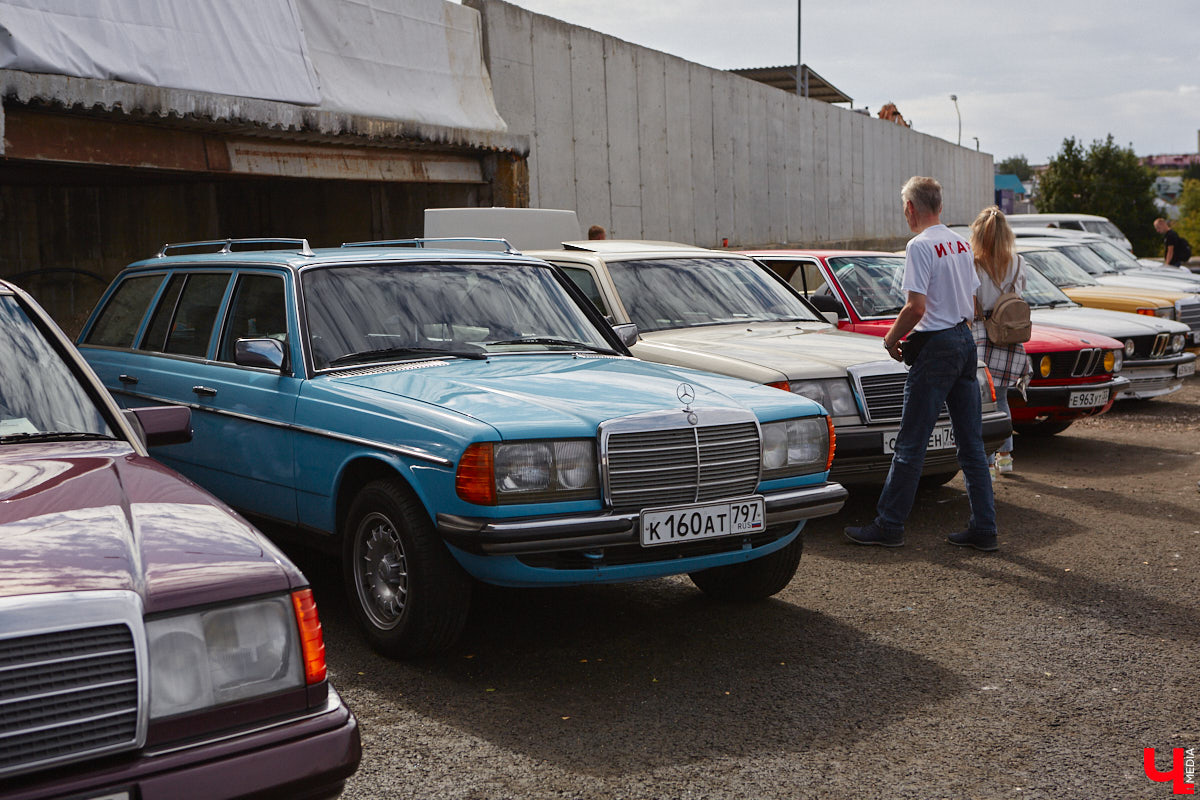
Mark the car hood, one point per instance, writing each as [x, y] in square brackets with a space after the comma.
[1052, 339]
[1157, 282]
[1121, 297]
[765, 351]
[92, 516]
[560, 394]
[1119, 324]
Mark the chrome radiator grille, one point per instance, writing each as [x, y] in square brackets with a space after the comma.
[883, 395]
[67, 695]
[682, 465]
[1189, 313]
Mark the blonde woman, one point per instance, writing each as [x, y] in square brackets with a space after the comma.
[1000, 269]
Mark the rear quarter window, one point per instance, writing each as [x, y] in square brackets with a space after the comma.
[118, 322]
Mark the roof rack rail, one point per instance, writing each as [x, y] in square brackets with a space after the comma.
[421, 243]
[227, 245]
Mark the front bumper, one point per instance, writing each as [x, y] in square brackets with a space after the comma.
[1154, 378]
[530, 535]
[1053, 402]
[308, 758]
[860, 458]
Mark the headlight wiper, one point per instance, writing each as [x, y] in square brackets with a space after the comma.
[552, 341]
[54, 436]
[394, 352]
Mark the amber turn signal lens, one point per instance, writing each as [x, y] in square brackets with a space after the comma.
[1044, 366]
[991, 383]
[475, 480]
[312, 640]
[780, 385]
[1110, 360]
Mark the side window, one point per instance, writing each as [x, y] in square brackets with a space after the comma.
[586, 282]
[156, 335]
[195, 314]
[258, 310]
[122, 315]
[784, 269]
[814, 279]
[1071, 224]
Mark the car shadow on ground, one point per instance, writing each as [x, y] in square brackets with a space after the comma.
[608, 680]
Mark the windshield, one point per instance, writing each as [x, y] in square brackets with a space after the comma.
[1084, 256]
[365, 313]
[1040, 292]
[1059, 268]
[1116, 257]
[872, 283]
[665, 293]
[1103, 227]
[39, 394]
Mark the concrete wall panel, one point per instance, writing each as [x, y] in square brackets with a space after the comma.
[665, 149]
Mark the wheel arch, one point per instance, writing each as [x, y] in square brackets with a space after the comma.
[364, 469]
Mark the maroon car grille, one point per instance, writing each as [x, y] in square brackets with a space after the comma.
[67, 694]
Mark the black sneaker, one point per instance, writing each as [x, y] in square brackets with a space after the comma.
[873, 534]
[980, 541]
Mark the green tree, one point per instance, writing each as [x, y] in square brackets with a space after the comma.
[1188, 224]
[1015, 165]
[1192, 172]
[1107, 180]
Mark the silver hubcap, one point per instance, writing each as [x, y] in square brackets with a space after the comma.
[381, 571]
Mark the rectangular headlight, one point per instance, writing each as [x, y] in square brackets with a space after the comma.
[833, 393]
[222, 655]
[794, 447]
[529, 472]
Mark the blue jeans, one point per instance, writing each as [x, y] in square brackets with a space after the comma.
[945, 372]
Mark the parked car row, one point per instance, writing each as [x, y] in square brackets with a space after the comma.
[438, 413]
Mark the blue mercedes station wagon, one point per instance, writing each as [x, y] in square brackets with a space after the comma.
[447, 415]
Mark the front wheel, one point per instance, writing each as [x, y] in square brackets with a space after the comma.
[752, 580]
[408, 593]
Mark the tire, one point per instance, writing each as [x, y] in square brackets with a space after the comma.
[405, 589]
[1046, 428]
[751, 580]
[937, 479]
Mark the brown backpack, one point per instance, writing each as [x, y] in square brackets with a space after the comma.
[1008, 322]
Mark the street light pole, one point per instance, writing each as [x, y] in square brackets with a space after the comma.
[976, 138]
[954, 97]
[801, 83]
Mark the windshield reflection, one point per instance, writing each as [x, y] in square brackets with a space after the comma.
[667, 293]
[1059, 269]
[38, 391]
[363, 314]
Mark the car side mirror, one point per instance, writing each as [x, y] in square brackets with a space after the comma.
[265, 353]
[826, 302]
[161, 425]
[832, 316]
[627, 333]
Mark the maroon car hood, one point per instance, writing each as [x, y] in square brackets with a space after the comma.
[82, 516]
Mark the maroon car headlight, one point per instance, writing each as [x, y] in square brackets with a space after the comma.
[222, 655]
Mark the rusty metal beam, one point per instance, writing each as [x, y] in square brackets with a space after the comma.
[74, 139]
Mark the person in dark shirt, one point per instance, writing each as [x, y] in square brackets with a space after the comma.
[1178, 251]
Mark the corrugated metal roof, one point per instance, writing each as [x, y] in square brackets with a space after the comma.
[785, 78]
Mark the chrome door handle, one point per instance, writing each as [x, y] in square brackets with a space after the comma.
[127, 379]
[204, 391]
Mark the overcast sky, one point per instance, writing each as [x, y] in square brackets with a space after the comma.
[1027, 74]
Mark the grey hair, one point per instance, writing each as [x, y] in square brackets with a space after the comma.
[924, 193]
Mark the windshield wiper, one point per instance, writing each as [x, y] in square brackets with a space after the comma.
[552, 341]
[393, 352]
[54, 436]
[1054, 303]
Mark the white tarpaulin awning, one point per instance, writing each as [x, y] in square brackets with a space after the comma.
[411, 61]
[221, 46]
[420, 60]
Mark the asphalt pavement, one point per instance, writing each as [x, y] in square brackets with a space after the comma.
[928, 671]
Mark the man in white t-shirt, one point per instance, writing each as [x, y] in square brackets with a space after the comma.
[940, 282]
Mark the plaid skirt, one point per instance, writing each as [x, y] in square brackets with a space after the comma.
[1008, 363]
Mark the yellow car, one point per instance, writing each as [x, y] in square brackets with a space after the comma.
[1081, 287]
